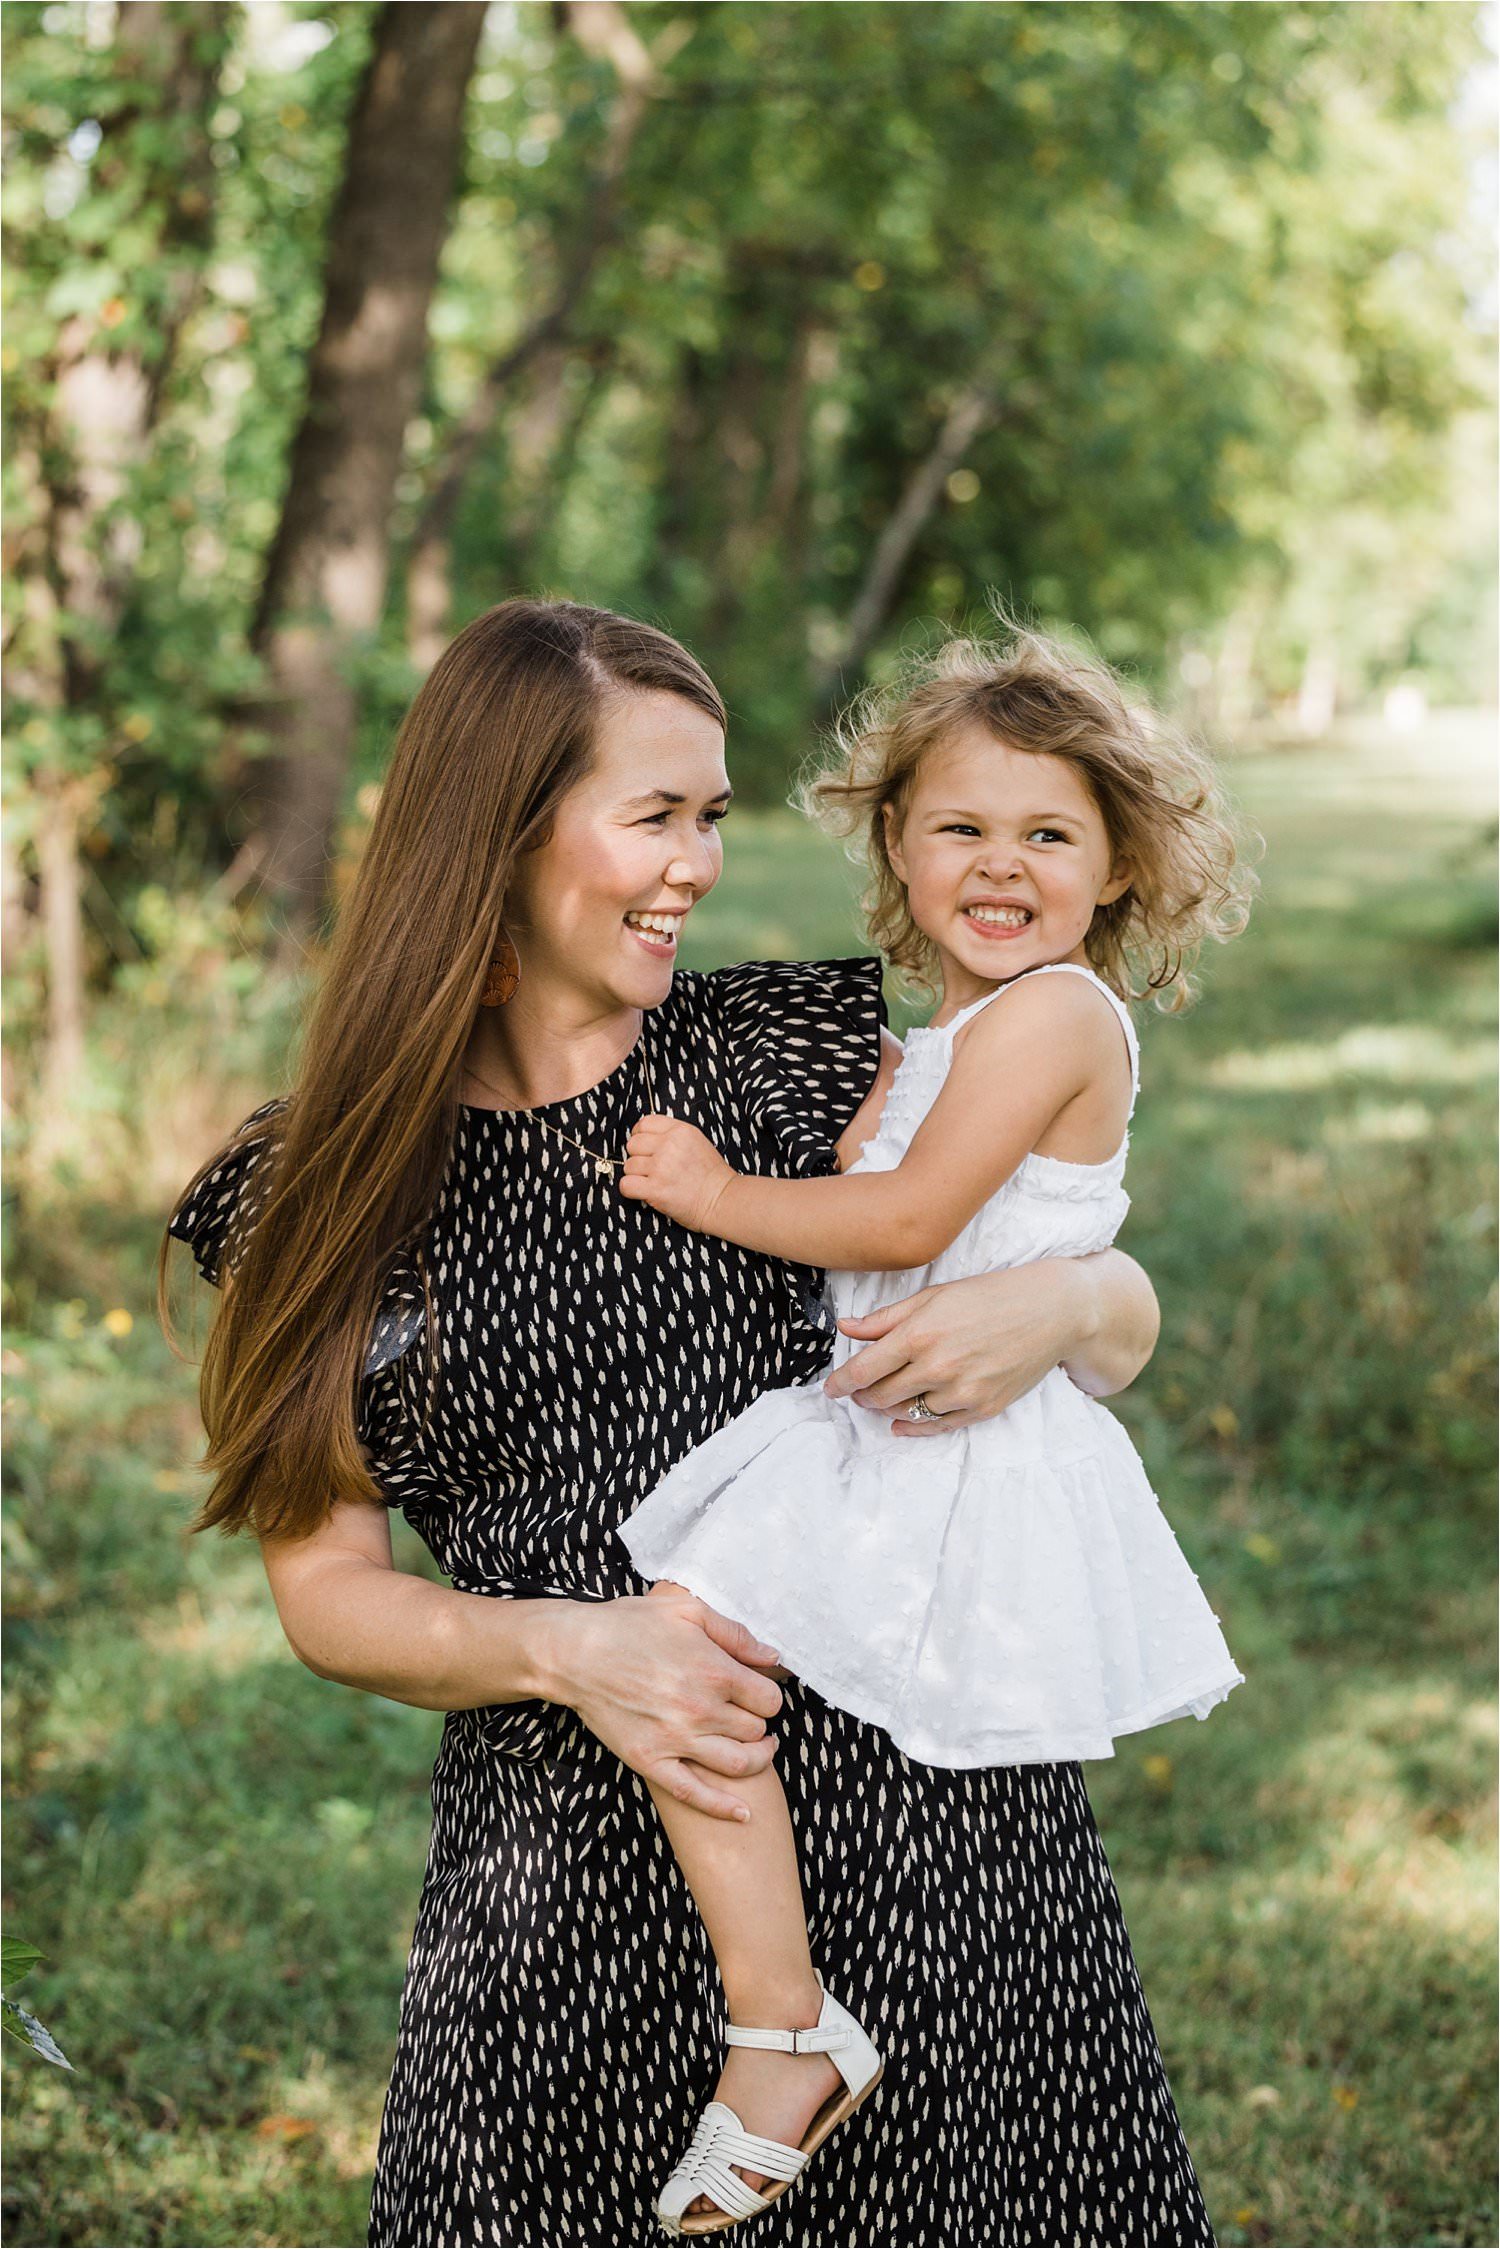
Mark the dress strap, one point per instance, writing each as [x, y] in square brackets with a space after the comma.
[1075, 968]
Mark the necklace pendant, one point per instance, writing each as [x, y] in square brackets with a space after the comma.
[603, 1166]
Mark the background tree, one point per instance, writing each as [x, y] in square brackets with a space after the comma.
[325, 577]
[794, 326]
[111, 293]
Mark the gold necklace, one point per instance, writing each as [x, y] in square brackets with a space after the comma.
[603, 1165]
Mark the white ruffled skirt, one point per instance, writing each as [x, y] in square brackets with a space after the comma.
[1008, 1594]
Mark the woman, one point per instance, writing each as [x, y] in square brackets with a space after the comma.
[445, 1304]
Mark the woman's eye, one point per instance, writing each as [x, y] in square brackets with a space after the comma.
[655, 819]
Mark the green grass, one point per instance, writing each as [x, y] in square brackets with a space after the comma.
[220, 1854]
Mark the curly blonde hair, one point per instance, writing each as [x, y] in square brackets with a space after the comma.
[1162, 805]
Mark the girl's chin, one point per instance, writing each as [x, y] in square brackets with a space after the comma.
[997, 957]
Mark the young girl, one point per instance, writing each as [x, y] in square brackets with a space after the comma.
[1009, 1591]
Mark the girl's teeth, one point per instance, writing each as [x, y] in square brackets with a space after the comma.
[1004, 917]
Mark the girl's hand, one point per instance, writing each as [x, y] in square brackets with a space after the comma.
[680, 1693]
[971, 1347]
[671, 1166]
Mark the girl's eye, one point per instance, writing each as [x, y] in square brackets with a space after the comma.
[1055, 833]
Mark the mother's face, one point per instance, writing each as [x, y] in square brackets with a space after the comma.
[634, 843]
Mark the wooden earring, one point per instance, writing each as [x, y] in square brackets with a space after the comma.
[504, 975]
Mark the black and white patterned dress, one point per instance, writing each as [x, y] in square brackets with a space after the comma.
[561, 2025]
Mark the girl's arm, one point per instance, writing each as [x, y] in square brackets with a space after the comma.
[990, 1337]
[1020, 1062]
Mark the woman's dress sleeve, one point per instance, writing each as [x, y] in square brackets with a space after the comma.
[214, 1221]
[214, 1218]
[388, 1411]
[803, 1042]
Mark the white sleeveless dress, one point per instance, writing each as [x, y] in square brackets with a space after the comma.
[1008, 1594]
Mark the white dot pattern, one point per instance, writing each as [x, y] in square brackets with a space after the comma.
[561, 2021]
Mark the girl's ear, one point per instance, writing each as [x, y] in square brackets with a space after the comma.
[893, 828]
[1118, 883]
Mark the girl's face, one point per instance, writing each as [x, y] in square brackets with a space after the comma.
[597, 910]
[1005, 856]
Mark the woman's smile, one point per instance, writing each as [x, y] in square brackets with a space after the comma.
[657, 929]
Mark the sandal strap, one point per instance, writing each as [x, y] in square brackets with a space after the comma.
[720, 2141]
[812, 2041]
[724, 2135]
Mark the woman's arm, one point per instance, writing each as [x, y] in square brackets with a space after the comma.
[972, 1347]
[677, 1691]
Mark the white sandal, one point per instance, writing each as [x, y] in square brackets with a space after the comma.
[721, 2139]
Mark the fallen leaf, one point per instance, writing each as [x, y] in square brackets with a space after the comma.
[285, 2127]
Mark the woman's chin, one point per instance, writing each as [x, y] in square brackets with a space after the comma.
[646, 979]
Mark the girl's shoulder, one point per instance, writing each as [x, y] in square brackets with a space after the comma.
[1054, 995]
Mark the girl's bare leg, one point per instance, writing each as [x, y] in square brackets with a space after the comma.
[744, 1880]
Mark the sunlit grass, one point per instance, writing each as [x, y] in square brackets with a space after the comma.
[1404, 1054]
[220, 1854]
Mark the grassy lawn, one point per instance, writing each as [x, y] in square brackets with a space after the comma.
[220, 1854]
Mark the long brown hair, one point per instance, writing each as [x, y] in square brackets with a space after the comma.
[1163, 806]
[500, 730]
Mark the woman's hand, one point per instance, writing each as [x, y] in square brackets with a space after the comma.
[673, 1167]
[972, 1347]
[677, 1691]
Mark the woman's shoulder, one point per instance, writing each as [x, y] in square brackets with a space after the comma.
[757, 991]
[801, 1041]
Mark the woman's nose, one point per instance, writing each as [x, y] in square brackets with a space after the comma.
[692, 866]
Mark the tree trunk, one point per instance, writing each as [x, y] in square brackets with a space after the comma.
[1234, 671]
[62, 927]
[972, 411]
[325, 578]
[544, 443]
[1318, 689]
[154, 157]
[601, 28]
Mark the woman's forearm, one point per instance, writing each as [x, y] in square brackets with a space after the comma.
[1116, 1321]
[367, 1625]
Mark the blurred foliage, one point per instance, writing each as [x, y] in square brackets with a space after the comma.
[1223, 270]
[219, 1854]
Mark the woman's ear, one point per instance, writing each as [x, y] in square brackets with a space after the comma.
[1119, 882]
[892, 826]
